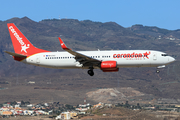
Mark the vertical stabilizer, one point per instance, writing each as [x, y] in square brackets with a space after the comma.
[20, 43]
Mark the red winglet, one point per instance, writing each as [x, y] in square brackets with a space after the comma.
[62, 44]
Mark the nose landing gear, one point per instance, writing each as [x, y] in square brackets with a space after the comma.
[157, 71]
[159, 67]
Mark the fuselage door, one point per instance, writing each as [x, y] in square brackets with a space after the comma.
[37, 59]
[154, 56]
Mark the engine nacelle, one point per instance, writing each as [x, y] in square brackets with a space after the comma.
[109, 66]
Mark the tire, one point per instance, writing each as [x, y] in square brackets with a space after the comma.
[90, 72]
[157, 71]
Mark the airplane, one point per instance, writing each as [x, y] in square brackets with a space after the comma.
[107, 61]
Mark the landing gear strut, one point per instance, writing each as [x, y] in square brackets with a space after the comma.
[90, 72]
[157, 70]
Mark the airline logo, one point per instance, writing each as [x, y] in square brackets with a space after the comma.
[19, 39]
[132, 55]
[23, 48]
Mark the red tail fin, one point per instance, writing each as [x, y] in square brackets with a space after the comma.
[20, 43]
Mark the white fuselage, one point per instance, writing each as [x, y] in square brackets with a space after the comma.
[124, 58]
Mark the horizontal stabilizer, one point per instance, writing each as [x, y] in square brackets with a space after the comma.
[15, 54]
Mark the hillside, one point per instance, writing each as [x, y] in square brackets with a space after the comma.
[89, 35]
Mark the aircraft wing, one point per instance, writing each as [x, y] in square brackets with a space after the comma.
[83, 59]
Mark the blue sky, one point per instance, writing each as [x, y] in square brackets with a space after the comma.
[161, 13]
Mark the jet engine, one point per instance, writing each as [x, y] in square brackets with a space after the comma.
[109, 66]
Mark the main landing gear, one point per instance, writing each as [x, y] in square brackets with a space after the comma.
[90, 72]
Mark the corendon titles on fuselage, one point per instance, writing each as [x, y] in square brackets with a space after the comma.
[132, 56]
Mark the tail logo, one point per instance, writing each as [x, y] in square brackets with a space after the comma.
[19, 39]
[23, 48]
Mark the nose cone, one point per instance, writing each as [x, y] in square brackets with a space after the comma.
[171, 59]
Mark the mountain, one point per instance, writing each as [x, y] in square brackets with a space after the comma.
[89, 35]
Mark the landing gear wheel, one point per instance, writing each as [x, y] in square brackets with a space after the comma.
[90, 72]
[157, 71]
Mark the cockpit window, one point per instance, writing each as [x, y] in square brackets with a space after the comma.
[164, 54]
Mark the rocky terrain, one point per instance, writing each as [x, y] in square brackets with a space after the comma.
[72, 85]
